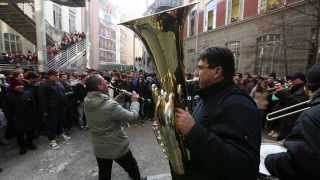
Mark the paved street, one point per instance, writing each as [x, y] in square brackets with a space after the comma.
[75, 160]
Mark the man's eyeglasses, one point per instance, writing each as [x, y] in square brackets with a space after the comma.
[200, 67]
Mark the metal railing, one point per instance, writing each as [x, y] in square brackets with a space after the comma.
[11, 67]
[28, 9]
[68, 56]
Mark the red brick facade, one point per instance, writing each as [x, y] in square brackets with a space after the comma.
[250, 8]
[200, 24]
[221, 13]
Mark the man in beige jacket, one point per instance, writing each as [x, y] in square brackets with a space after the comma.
[104, 116]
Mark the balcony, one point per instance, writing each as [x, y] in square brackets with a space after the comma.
[70, 3]
[19, 16]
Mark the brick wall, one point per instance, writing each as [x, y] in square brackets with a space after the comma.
[200, 21]
[250, 8]
[221, 13]
[247, 33]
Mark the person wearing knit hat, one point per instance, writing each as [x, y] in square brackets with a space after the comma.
[288, 97]
[302, 158]
[313, 78]
[19, 110]
[53, 103]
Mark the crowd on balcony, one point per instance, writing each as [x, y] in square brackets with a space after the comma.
[31, 57]
[67, 40]
[19, 58]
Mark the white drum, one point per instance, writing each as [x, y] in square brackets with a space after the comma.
[265, 150]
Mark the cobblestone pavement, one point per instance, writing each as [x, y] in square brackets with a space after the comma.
[75, 160]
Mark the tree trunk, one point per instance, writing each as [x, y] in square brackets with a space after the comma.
[285, 56]
[317, 33]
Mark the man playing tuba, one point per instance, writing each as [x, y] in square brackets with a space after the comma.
[224, 132]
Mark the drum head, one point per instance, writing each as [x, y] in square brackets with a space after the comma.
[265, 150]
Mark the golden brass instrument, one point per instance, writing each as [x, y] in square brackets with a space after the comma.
[162, 33]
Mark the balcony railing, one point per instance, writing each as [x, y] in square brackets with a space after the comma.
[28, 9]
[68, 56]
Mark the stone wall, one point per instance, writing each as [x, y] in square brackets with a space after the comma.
[296, 26]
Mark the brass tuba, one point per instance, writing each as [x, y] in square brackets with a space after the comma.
[161, 34]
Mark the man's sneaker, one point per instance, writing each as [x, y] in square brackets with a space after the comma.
[84, 127]
[275, 135]
[53, 144]
[271, 133]
[65, 137]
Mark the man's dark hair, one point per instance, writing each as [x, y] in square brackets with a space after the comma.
[52, 73]
[92, 83]
[220, 56]
[31, 75]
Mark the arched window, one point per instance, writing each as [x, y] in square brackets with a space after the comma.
[268, 54]
[234, 46]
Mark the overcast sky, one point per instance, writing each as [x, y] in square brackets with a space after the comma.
[132, 8]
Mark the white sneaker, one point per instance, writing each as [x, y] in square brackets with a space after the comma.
[271, 133]
[65, 137]
[275, 135]
[53, 144]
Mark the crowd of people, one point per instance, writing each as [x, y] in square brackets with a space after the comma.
[229, 112]
[40, 98]
[31, 57]
[18, 58]
[67, 40]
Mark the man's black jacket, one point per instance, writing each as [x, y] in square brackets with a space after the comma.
[225, 142]
[303, 157]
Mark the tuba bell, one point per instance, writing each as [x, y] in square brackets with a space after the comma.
[162, 33]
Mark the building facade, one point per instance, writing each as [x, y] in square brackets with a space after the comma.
[104, 34]
[127, 46]
[13, 42]
[265, 36]
[60, 19]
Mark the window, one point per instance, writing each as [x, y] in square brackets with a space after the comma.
[57, 17]
[12, 43]
[268, 54]
[1, 43]
[107, 57]
[210, 15]
[234, 46]
[72, 21]
[107, 44]
[265, 5]
[235, 11]
[192, 23]
[107, 32]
